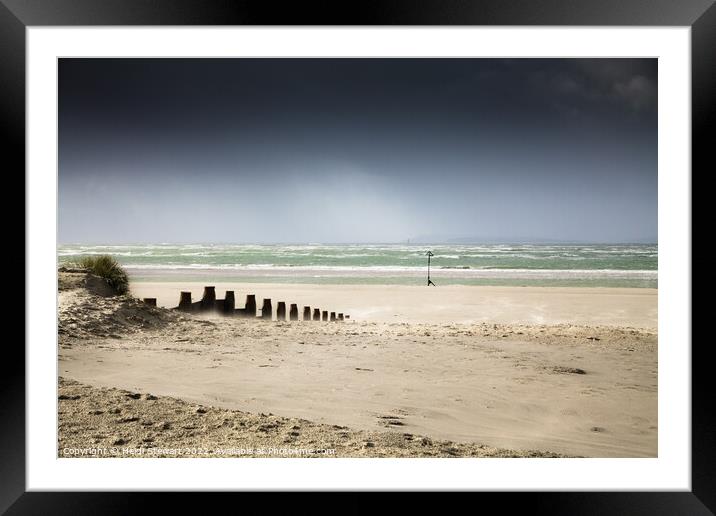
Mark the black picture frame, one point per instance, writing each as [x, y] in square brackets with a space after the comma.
[17, 15]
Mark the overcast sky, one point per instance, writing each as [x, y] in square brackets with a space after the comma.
[357, 150]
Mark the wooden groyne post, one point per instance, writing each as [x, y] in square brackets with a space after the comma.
[250, 307]
[281, 311]
[316, 314]
[151, 301]
[333, 316]
[229, 302]
[325, 315]
[185, 301]
[306, 313]
[266, 310]
[208, 300]
[340, 316]
[293, 314]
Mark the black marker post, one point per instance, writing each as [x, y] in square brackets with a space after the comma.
[429, 253]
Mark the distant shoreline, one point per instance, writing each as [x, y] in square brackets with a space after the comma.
[588, 265]
[218, 275]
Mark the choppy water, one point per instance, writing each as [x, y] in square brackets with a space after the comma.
[558, 265]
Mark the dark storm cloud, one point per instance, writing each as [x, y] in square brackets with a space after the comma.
[355, 149]
[628, 83]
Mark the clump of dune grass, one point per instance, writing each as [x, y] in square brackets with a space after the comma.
[105, 266]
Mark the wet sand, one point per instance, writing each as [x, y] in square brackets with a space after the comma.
[625, 307]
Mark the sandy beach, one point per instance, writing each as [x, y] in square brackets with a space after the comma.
[476, 371]
[619, 307]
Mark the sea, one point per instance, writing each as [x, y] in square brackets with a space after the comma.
[579, 265]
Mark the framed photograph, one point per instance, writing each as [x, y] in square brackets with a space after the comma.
[427, 247]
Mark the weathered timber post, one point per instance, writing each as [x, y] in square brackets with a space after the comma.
[250, 308]
[281, 311]
[340, 316]
[333, 316]
[208, 301]
[229, 302]
[316, 314]
[266, 310]
[306, 313]
[325, 316]
[151, 301]
[293, 314]
[185, 301]
[347, 316]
